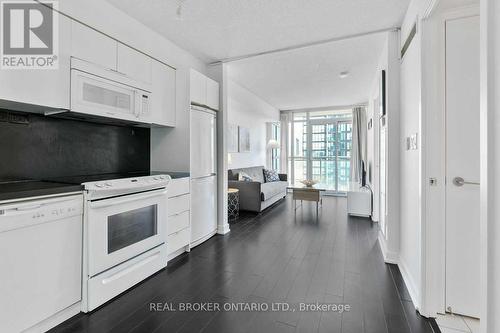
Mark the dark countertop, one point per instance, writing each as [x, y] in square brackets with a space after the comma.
[19, 189]
[27, 189]
[173, 174]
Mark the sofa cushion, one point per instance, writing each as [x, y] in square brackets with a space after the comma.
[256, 173]
[271, 176]
[269, 190]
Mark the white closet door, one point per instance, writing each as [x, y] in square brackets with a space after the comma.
[462, 162]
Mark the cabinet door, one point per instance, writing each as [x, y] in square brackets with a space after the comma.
[163, 101]
[198, 88]
[212, 94]
[92, 46]
[133, 63]
[49, 88]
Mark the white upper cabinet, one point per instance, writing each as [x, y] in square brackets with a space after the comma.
[48, 87]
[212, 94]
[97, 48]
[198, 88]
[92, 46]
[163, 102]
[204, 91]
[133, 63]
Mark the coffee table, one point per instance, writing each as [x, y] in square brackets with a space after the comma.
[307, 193]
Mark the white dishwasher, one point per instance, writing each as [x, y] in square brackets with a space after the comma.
[40, 259]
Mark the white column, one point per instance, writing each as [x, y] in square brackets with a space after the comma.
[490, 166]
[219, 73]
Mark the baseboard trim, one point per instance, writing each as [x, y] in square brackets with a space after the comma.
[223, 229]
[410, 284]
[203, 239]
[390, 257]
[177, 253]
[56, 319]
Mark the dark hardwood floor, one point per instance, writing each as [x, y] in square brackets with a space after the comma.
[271, 257]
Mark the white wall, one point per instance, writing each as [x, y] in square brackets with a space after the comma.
[412, 170]
[169, 147]
[490, 165]
[248, 110]
[373, 139]
[409, 256]
[389, 209]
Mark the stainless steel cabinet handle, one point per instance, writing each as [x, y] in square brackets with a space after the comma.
[459, 181]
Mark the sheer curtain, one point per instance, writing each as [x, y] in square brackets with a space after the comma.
[284, 122]
[358, 142]
[269, 153]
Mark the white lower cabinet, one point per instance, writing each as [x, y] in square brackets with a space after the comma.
[178, 221]
[178, 240]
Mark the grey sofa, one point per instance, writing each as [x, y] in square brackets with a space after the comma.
[257, 195]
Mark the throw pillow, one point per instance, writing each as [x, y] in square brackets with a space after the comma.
[244, 177]
[271, 176]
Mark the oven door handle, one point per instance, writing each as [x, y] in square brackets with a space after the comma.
[129, 198]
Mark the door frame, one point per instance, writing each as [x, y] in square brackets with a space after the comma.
[434, 216]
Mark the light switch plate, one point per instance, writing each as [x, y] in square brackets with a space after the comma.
[414, 142]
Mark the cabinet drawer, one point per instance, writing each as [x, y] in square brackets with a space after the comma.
[177, 222]
[178, 187]
[178, 240]
[178, 204]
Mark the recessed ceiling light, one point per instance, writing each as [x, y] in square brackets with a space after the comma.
[344, 74]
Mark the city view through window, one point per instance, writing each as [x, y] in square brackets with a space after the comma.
[320, 148]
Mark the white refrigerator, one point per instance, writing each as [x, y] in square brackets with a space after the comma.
[203, 174]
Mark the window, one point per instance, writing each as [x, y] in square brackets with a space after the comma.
[321, 143]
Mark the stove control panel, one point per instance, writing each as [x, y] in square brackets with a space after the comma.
[128, 183]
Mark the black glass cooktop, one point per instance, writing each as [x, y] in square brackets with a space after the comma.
[96, 178]
[110, 176]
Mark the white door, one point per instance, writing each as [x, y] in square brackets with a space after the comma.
[203, 208]
[203, 141]
[462, 166]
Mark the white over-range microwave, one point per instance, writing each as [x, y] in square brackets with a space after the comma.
[98, 92]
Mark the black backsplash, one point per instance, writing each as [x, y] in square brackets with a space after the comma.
[38, 147]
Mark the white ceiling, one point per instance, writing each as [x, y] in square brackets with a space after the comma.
[220, 29]
[309, 77]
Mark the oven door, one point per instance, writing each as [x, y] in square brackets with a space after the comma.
[121, 228]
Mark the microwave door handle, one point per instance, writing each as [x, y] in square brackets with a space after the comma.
[137, 104]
